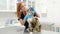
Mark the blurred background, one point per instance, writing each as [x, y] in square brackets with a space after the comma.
[49, 11]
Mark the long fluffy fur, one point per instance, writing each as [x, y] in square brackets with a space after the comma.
[34, 25]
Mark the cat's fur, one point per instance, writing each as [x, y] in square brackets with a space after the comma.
[34, 25]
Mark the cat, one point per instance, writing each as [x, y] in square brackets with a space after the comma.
[34, 25]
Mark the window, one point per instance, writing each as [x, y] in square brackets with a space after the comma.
[7, 5]
[12, 4]
[3, 4]
[31, 3]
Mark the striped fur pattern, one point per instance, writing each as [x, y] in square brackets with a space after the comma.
[34, 25]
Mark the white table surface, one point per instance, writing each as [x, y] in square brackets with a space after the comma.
[44, 32]
[17, 29]
[12, 29]
[49, 32]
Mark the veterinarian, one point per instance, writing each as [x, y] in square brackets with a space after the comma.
[21, 13]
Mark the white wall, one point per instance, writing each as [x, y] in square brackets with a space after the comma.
[53, 12]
